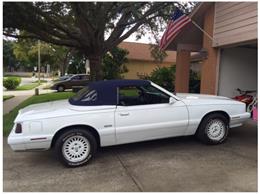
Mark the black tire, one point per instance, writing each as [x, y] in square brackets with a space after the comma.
[203, 133]
[66, 137]
[60, 88]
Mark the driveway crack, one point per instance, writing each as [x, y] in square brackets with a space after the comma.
[136, 182]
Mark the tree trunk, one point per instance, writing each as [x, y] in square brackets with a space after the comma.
[64, 63]
[61, 70]
[96, 72]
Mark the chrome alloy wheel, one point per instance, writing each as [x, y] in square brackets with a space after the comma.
[76, 148]
[216, 129]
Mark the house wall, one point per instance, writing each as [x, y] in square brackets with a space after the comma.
[235, 22]
[136, 67]
[238, 69]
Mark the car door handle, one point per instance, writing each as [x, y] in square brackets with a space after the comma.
[124, 114]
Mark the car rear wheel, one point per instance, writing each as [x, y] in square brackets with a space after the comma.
[75, 147]
[60, 88]
[213, 129]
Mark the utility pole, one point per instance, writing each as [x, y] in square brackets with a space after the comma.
[39, 67]
[39, 61]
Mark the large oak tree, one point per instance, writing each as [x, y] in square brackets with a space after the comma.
[93, 28]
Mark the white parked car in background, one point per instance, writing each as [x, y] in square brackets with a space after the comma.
[121, 111]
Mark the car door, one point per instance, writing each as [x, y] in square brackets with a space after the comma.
[84, 79]
[74, 81]
[145, 120]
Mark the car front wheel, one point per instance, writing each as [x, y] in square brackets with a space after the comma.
[213, 129]
[75, 147]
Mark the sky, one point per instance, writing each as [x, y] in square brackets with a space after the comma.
[144, 39]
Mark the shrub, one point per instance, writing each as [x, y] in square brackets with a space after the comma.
[113, 63]
[11, 82]
[165, 77]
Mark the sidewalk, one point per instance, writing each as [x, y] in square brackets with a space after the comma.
[29, 92]
[20, 96]
[10, 104]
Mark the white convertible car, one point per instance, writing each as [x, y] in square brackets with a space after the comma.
[121, 111]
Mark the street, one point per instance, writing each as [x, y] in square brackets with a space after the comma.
[175, 164]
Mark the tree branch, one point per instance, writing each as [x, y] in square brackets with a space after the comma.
[113, 40]
[45, 39]
[57, 25]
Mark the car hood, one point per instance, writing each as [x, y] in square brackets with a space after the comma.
[55, 109]
[203, 99]
[200, 96]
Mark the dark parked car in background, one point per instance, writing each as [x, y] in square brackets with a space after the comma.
[65, 77]
[77, 80]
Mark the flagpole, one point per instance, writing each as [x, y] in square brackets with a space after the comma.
[177, 16]
[207, 34]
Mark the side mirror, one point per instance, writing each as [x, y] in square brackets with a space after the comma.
[172, 100]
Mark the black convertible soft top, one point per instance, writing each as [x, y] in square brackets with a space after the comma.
[103, 92]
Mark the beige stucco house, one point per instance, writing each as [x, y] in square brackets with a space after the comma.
[140, 61]
[229, 60]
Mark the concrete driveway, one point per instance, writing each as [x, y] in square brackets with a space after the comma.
[176, 164]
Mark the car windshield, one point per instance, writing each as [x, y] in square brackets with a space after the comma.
[85, 95]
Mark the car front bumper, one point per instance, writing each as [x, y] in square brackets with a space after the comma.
[237, 120]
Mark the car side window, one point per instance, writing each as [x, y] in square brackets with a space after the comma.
[141, 95]
[75, 78]
[152, 95]
[129, 96]
[91, 96]
[84, 77]
[86, 95]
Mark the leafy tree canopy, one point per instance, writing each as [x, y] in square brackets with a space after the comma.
[26, 52]
[77, 63]
[94, 28]
[114, 63]
[157, 54]
[8, 55]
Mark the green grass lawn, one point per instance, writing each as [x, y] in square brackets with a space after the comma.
[13, 75]
[8, 119]
[27, 86]
[6, 97]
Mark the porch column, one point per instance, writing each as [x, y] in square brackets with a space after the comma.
[182, 71]
[209, 69]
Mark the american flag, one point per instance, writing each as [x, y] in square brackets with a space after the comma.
[177, 22]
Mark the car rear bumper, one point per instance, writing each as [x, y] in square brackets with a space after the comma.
[237, 120]
[19, 142]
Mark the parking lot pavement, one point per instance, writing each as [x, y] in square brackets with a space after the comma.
[176, 164]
